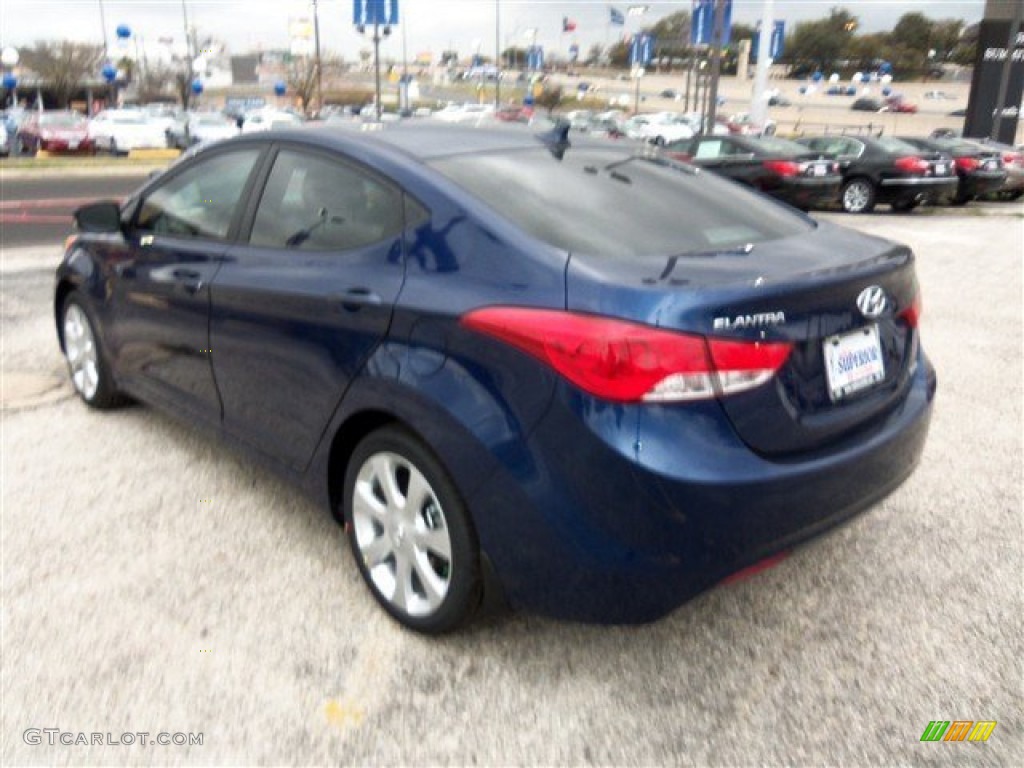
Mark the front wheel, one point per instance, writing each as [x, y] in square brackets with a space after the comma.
[858, 196]
[410, 533]
[87, 367]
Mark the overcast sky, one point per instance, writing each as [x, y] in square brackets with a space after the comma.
[430, 25]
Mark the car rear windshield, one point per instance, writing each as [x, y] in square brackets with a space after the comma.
[613, 203]
[781, 146]
[896, 146]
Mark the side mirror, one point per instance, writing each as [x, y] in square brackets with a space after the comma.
[103, 218]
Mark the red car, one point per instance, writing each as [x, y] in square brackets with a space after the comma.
[54, 131]
[897, 104]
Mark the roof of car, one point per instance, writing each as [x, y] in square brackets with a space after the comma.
[427, 140]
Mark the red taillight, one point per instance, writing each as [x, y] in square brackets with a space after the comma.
[967, 164]
[1012, 158]
[912, 314]
[912, 164]
[782, 167]
[627, 362]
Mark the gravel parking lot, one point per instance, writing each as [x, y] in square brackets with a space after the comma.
[153, 582]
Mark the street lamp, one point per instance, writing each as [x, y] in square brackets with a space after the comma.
[319, 67]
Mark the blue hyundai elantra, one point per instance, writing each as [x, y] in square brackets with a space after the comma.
[579, 378]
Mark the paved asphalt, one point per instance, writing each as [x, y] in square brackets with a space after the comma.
[38, 210]
[153, 582]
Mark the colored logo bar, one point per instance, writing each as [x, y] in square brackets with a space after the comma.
[958, 730]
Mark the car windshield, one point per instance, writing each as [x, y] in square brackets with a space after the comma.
[61, 121]
[614, 204]
[896, 145]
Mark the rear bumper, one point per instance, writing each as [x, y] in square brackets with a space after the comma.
[917, 187]
[981, 183]
[623, 517]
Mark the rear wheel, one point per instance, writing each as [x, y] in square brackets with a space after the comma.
[1008, 196]
[410, 533]
[87, 367]
[858, 196]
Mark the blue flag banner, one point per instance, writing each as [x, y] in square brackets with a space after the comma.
[375, 12]
[617, 17]
[777, 43]
[702, 22]
[641, 51]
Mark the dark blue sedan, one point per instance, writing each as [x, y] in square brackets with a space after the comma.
[582, 379]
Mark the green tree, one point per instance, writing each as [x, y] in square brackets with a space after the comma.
[913, 31]
[821, 43]
[946, 36]
[594, 55]
[514, 57]
[63, 65]
[618, 55]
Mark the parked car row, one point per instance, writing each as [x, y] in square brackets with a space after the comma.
[860, 172]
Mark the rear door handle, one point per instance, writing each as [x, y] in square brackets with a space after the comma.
[355, 298]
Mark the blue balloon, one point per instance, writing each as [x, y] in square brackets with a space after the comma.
[10, 82]
[124, 31]
[851, 90]
[109, 72]
[817, 76]
[887, 91]
[197, 87]
[865, 78]
[885, 68]
[280, 88]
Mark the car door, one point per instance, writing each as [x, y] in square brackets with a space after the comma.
[176, 238]
[298, 309]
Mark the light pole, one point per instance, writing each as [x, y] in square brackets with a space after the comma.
[103, 23]
[188, 59]
[497, 54]
[319, 68]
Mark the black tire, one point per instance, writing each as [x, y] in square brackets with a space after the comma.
[1008, 196]
[858, 195]
[104, 396]
[398, 453]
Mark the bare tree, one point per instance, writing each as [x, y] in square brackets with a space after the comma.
[302, 76]
[157, 82]
[63, 65]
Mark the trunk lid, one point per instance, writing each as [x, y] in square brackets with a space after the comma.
[803, 290]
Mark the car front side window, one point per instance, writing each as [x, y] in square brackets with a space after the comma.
[200, 201]
[311, 203]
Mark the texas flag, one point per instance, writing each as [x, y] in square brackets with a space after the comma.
[568, 25]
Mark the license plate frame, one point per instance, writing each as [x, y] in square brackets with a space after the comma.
[853, 362]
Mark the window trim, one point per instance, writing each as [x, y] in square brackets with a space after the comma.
[255, 174]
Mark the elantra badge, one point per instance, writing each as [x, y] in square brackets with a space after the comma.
[871, 302]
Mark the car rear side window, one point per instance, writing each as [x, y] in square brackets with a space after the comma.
[610, 203]
[200, 201]
[313, 203]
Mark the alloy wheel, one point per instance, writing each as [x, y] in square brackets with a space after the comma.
[402, 534]
[80, 350]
